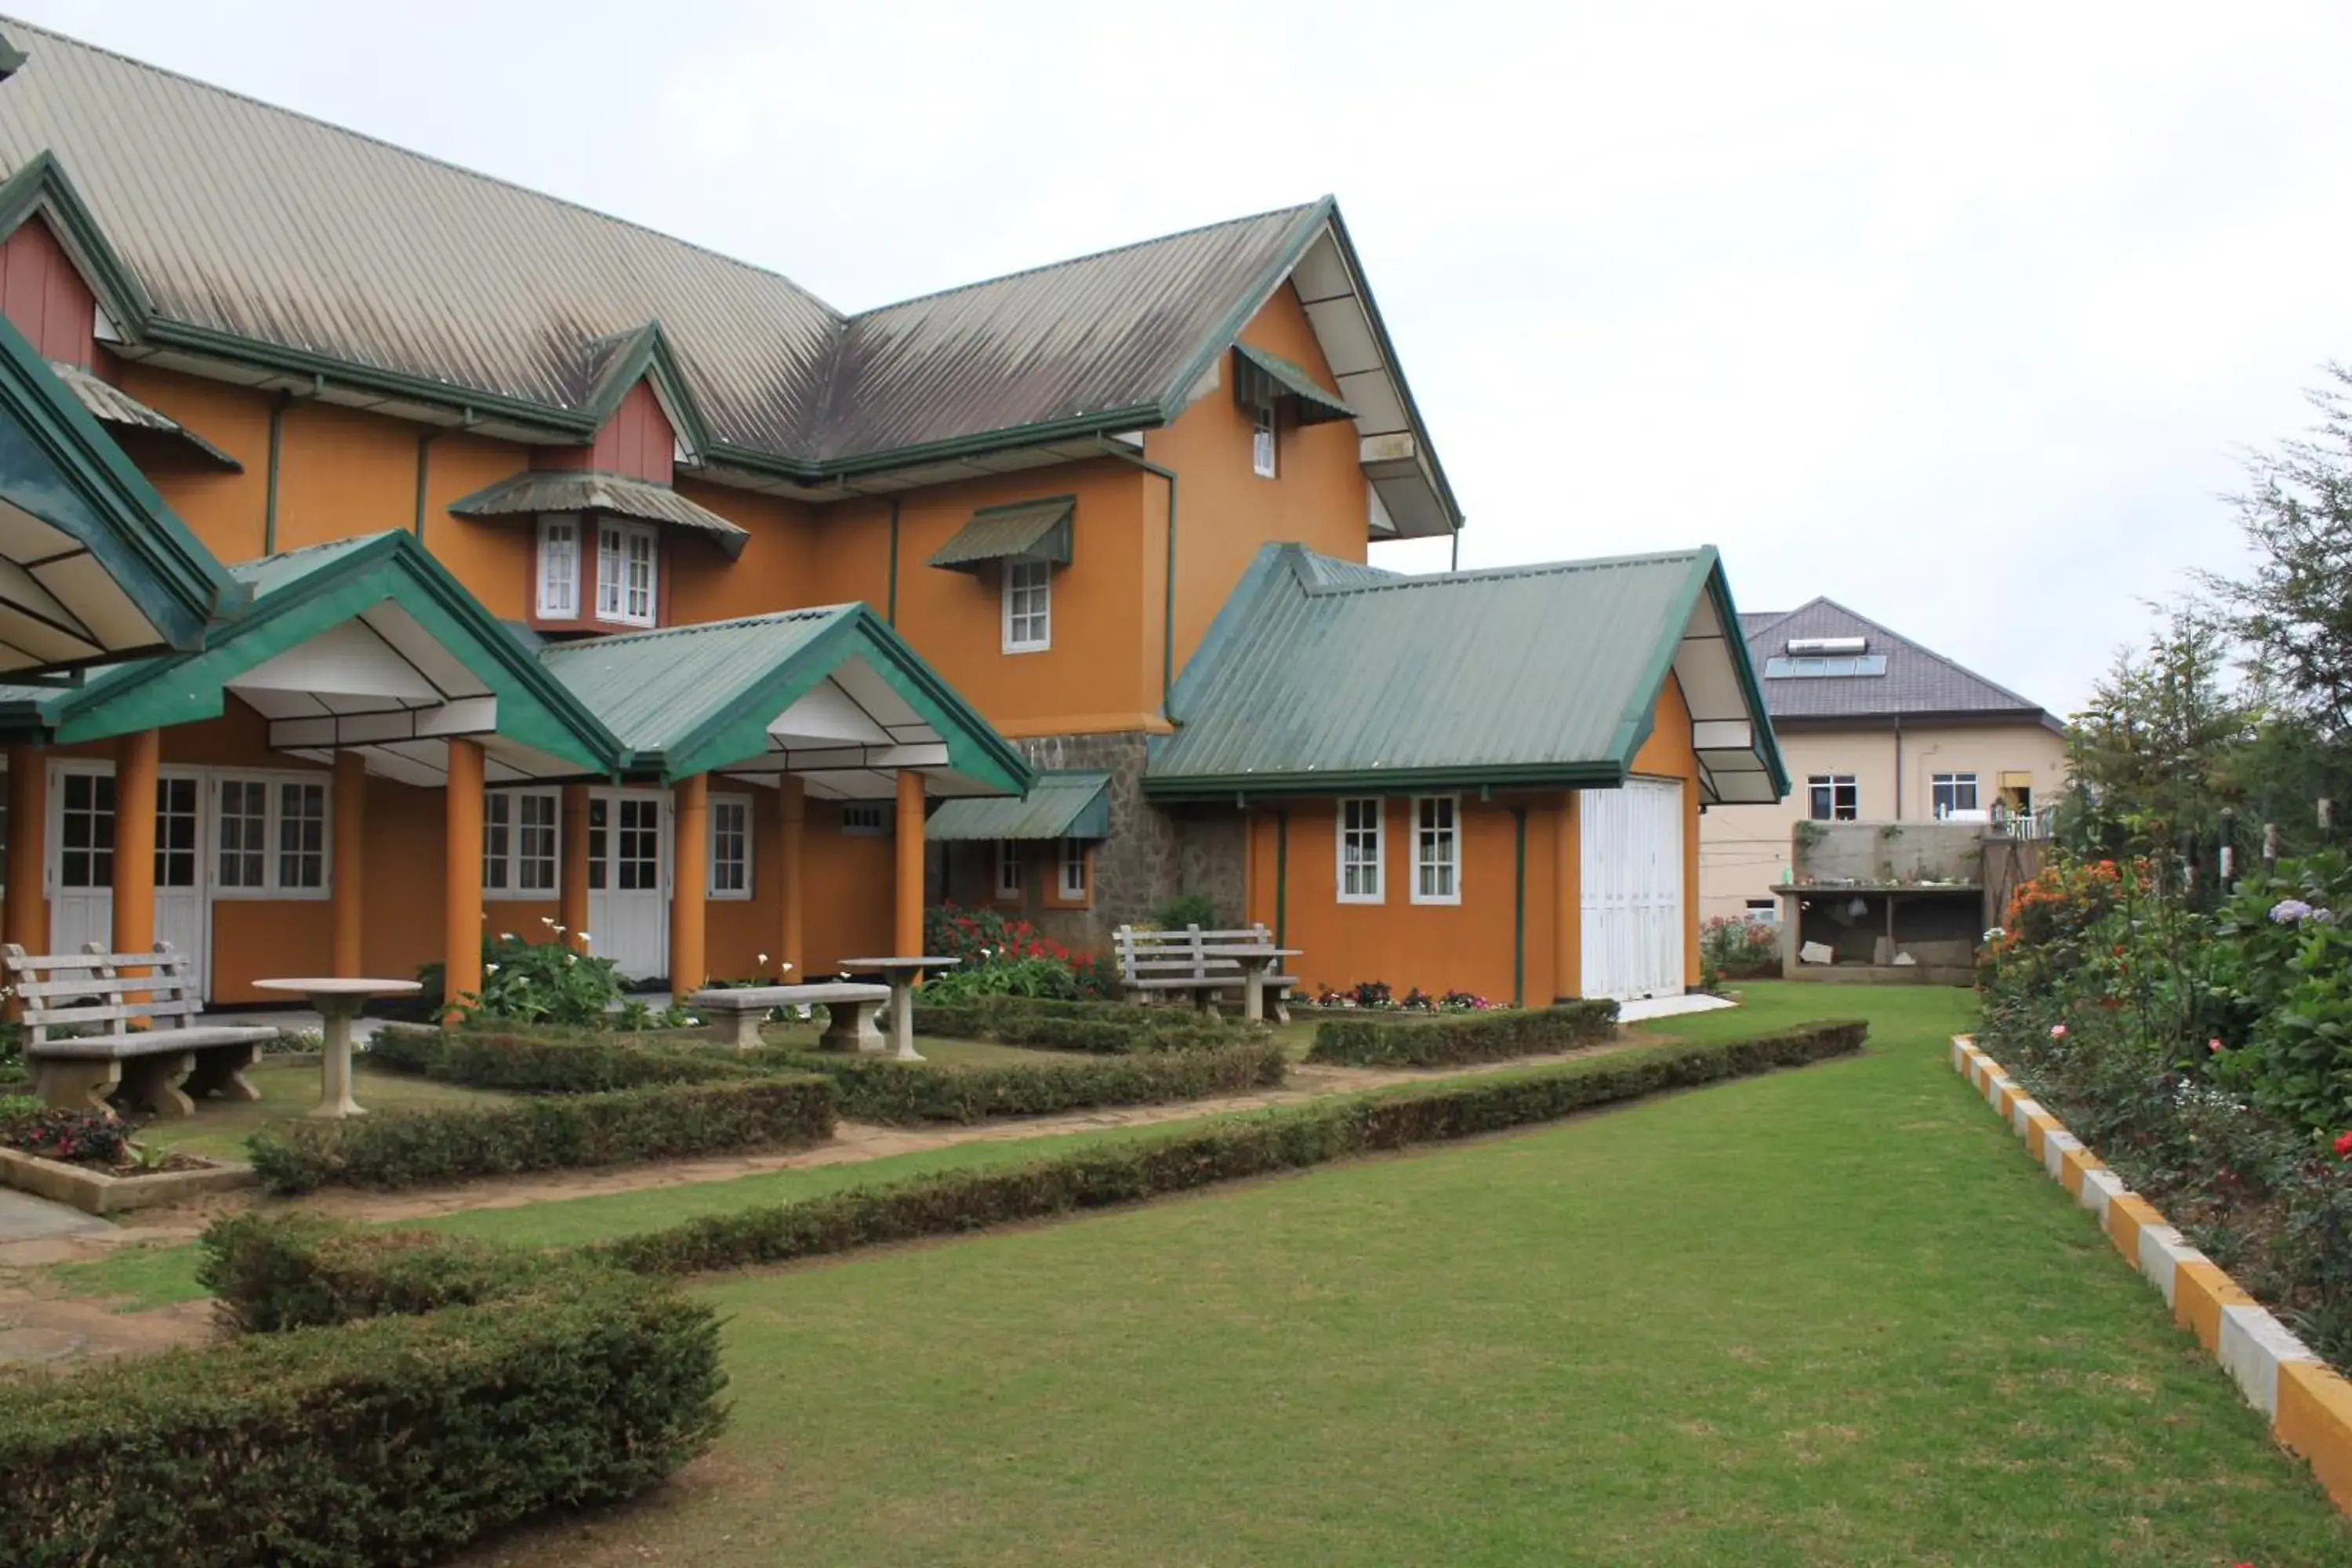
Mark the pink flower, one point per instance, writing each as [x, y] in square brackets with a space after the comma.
[2344, 1146]
[2214, 1045]
[2057, 1031]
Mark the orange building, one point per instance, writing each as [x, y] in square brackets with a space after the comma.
[578, 575]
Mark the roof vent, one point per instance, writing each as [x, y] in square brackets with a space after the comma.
[1828, 645]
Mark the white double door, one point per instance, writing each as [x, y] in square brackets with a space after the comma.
[80, 860]
[1629, 848]
[629, 834]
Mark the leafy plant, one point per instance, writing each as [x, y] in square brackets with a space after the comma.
[1457, 1041]
[908, 1092]
[1187, 910]
[78, 1137]
[532, 982]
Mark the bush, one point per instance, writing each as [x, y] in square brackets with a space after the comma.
[1037, 975]
[1732, 948]
[970, 936]
[78, 1137]
[270, 1273]
[393, 1441]
[419, 1148]
[1229, 1149]
[903, 1093]
[1099, 979]
[1102, 1028]
[1187, 910]
[1467, 1038]
[537, 1062]
[528, 982]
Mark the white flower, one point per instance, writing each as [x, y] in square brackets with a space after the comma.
[763, 958]
[584, 936]
[505, 936]
[549, 921]
[489, 969]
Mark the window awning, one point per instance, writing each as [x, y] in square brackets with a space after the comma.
[536, 491]
[132, 422]
[1262, 380]
[1068, 803]
[1022, 530]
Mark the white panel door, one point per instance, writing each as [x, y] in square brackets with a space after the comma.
[81, 861]
[1630, 846]
[628, 879]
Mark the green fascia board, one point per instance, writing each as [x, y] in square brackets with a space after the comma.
[534, 707]
[1421, 442]
[1385, 782]
[1718, 587]
[739, 731]
[648, 353]
[1634, 728]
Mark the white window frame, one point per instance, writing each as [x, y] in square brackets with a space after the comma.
[1008, 868]
[512, 857]
[558, 574]
[864, 819]
[1949, 784]
[272, 885]
[1377, 864]
[1031, 629]
[1450, 834]
[1073, 858]
[1762, 911]
[620, 548]
[1835, 782]
[1265, 443]
[729, 806]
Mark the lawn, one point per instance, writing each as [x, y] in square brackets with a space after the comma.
[1829, 1316]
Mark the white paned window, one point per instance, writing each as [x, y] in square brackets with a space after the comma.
[559, 567]
[731, 847]
[1436, 850]
[1074, 870]
[519, 843]
[1834, 797]
[1008, 868]
[626, 574]
[86, 831]
[1028, 605]
[1954, 791]
[271, 836]
[1262, 442]
[1359, 852]
[863, 821]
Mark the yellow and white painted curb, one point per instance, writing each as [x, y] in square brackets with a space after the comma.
[2309, 1405]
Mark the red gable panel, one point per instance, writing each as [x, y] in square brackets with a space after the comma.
[44, 297]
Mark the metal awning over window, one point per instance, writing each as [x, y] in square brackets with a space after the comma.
[538, 491]
[1023, 530]
[1070, 803]
[135, 426]
[1262, 380]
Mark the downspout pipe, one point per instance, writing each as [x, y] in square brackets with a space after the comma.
[890, 613]
[1168, 609]
[269, 495]
[1898, 767]
[425, 440]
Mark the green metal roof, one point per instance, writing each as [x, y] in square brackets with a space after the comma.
[108, 571]
[1321, 676]
[297, 596]
[697, 699]
[1023, 530]
[1260, 380]
[1068, 804]
[535, 492]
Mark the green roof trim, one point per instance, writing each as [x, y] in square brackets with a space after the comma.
[537, 492]
[296, 596]
[1061, 804]
[1021, 530]
[1262, 380]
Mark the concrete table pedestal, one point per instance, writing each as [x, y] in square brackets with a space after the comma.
[338, 1003]
[898, 973]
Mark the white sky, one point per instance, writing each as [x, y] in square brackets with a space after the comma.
[1962, 320]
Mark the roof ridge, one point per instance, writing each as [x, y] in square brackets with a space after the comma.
[1919, 647]
[18, 24]
[1498, 573]
[1292, 210]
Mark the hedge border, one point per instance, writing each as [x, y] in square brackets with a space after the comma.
[1463, 1040]
[906, 1094]
[2307, 1403]
[1099, 1028]
[528, 1061]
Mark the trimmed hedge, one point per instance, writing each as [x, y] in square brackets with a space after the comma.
[545, 1063]
[418, 1148]
[868, 1088]
[1462, 1038]
[1227, 1150]
[1099, 1028]
[273, 1272]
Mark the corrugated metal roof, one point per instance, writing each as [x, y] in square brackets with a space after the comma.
[1075, 803]
[653, 689]
[1918, 680]
[537, 490]
[1026, 529]
[1262, 379]
[111, 405]
[1311, 670]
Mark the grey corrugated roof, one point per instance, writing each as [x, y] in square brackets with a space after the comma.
[1070, 803]
[1313, 671]
[1918, 680]
[539, 491]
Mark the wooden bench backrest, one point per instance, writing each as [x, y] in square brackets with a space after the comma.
[78, 990]
[1179, 954]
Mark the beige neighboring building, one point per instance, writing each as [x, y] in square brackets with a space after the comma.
[1874, 728]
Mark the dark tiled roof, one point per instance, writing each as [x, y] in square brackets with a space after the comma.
[1918, 680]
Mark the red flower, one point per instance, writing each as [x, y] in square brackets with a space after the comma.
[2344, 1146]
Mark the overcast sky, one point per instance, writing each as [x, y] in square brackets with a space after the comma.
[1964, 321]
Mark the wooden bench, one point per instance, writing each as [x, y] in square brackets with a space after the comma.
[163, 1068]
[736, 1013]
[1153, 962]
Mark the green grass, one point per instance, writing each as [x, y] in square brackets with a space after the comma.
[288, 1090]
[1832, 1316]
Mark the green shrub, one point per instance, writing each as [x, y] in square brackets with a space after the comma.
[1187, 910]
[419, 1148]
[868, 1089]
[393, 1441]
[273, 1272]
[1105, 1029]
[546, 1062]
[1458, 1039]
[1228, 1149]
[1038, 974]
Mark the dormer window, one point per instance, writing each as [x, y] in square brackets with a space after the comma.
[559, 568]
[626, 568]
[598, 541]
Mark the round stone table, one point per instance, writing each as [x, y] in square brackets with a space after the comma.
[899, 974]
[339, 1002]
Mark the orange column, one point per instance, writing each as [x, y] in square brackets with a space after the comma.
[461, 878]
[906, 933]
[572, 901]
[792, 806]
[689, 884]
[138, 760]
[350, 859]
[1568, 879]
[27, 912]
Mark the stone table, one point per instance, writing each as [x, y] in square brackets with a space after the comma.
[338, 1001]
[899, 974]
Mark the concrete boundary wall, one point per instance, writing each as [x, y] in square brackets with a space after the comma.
[2308, 1405]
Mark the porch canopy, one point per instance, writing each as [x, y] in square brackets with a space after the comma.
[1072, 803]
[830, 695]
[366, 644]
[93, 565]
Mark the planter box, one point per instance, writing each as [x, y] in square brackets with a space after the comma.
[95, 1192]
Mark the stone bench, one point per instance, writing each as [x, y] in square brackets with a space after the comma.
[736, 1013]
[163, 1068]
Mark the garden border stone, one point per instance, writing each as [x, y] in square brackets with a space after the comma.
[96, 1191]
[2308, 1402]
